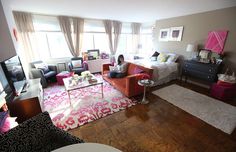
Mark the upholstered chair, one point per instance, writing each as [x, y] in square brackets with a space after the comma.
[45, 72]
[77, 65]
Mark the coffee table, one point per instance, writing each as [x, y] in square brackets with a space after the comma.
[81, 84]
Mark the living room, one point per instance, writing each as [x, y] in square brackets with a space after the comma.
[142, 111]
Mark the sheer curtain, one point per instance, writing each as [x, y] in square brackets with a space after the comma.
[117, 31]
[25, 27]
[113, 41]
[108, 30]
[136, 27]
[75, 42]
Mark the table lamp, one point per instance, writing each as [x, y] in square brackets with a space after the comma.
[190, 48]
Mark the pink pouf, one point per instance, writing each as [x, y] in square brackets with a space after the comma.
[223, 92]
[64, 74]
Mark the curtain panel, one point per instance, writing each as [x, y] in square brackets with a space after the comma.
[136, 27]
[74, 43]
[28, 48]
[113, 31]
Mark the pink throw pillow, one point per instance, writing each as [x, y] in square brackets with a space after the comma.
[10, 123]
[137, 70]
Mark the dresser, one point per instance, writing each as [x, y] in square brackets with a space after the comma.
[204, 71]
[95, 66]
[27, 104]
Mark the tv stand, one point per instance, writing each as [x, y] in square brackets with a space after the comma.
[25, 87]
[27, 104]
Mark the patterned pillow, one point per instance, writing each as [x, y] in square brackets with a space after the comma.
[42, 66]
[162, 57]
[10, 123]
[172, 57]
[76, 63]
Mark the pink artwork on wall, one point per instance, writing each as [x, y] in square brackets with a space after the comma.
[216, 41]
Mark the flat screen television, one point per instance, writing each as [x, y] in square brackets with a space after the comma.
[14, 73]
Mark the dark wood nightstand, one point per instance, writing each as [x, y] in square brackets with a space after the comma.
[204, 71]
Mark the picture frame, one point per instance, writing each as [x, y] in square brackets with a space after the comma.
[164, 34]
[176, 33]
[93, 54]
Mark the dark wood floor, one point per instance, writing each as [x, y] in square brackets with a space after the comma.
[157, 126]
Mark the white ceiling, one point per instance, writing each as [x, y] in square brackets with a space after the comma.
[123, 10]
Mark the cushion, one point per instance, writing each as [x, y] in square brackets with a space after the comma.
[42, 66]
[76, 63]
[10, 123]
[156, 54]
[162, 57]
[137, 70]
[3, 116]
[172, 57]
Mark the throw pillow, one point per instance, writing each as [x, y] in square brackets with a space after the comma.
[162, 57]
[76, 63]
[3, 117]
[10, 123]
[172, 57]
[137, 70]
[155, 54]
[42, 66]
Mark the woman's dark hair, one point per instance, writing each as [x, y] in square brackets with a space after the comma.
[119, 57]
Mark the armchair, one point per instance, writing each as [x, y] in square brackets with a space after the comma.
[36, 134]
[45, 73]
[77, 65]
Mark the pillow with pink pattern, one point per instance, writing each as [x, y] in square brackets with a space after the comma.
[137, 70]
[10, 123]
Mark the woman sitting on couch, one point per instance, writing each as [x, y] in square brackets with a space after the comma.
[120, 70]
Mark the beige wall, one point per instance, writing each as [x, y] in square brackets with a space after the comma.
[7, 48]
[196, 28]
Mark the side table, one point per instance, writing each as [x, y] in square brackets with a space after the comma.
[145, 83]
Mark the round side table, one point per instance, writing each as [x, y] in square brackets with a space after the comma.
[87, 147]
[145, 83]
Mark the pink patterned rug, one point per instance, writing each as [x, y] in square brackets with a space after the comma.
[86, 106]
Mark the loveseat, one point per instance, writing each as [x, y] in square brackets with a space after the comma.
[129, 84]
[36, 134]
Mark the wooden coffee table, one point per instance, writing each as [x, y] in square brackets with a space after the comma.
[81, 84]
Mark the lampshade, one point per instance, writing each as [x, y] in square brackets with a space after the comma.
[190, 48]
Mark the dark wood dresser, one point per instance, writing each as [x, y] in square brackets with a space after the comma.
[204, 71]
[27, 104]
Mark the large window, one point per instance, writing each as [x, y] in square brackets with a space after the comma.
[95, 36]
[50, 40]
[52, 44]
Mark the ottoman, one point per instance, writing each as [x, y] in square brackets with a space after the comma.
[64, 74]
[223, 92]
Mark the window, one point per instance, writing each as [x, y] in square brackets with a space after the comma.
[95, 36]
[50, 40]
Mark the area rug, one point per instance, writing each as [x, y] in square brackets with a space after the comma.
[86, 105]
[212, 111]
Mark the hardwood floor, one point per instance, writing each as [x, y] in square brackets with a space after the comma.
[157, 126]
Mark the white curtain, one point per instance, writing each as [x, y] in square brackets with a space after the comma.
[136, 27]
[113, 37]
[117, 31]
[108, 29]
[74, 43]
[28, 52]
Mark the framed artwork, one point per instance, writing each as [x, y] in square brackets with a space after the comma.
[216, 41]
[176, 33]
[164, 34]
